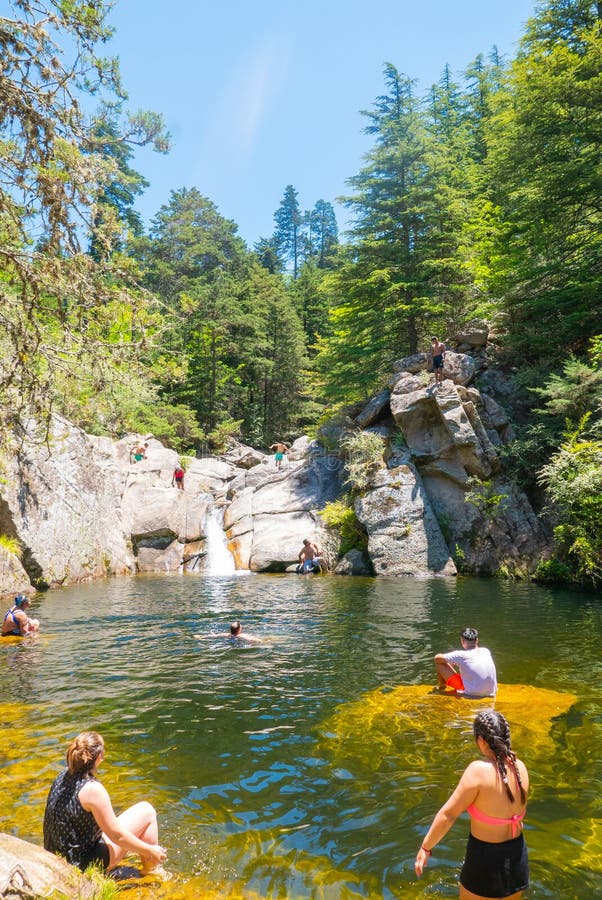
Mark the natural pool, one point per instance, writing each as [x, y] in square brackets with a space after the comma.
[309, 765]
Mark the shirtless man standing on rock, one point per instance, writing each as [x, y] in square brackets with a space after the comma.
[281, 449]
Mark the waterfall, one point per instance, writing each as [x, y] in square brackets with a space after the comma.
[219, 560]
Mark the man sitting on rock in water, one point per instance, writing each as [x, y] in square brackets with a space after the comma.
[310, 559]
[476, 676]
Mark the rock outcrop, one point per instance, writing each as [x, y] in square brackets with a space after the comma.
[265, 523]
[27, 871]
[453, 475]
[81, 507]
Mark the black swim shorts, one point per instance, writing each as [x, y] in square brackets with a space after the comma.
[495, 870]
[99, 853]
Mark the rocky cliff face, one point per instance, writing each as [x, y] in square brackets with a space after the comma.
[452, 472]
[82, 508]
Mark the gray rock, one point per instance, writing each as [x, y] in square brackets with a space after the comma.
[474, 337]
[243, 457]
[13, 577]
[373, 410]
[406, 383]
[422, 423]
[404, 537]
[211, 467]
[167, 559]
[278, 538]
[27, 871]
[62, 498]
[354, 562]
[412, 364]
[460, 367]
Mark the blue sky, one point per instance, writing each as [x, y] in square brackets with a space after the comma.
[258, 94]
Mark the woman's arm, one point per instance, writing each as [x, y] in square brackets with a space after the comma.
[465, 793]
[95, 799]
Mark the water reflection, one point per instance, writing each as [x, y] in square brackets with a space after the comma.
[248, 752]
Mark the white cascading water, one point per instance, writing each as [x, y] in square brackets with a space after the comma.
[219, 560]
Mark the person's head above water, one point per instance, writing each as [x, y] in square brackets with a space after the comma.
[235, 628]
[83, 751]
[470, 636]
[21, 600]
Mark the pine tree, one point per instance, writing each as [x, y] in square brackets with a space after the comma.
[323, 233]
[398, 279]
[288, 233]
[546, 181]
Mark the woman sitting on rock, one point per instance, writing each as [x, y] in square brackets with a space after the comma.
[79, 822]
[16, 621]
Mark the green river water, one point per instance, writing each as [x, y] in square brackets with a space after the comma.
[311, 764]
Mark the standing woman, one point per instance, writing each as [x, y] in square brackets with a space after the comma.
[79, 822]
[493, 791]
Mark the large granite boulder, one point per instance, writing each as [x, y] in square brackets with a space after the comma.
[354, 562]
[374, 409]
[404, 537]
[62, 498]
[27, 871]
[265, 524]
[13, 577]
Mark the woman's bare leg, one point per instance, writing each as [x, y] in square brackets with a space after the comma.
[141, 820]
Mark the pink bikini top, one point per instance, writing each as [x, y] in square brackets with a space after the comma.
[480, 816]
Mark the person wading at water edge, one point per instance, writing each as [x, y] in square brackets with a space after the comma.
[16, 622]
[310, 558]
[476, 676]
[493, 791]
[79, 822]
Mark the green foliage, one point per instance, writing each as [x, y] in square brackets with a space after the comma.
[574, 393]
[104, 888]
[573, 483]
[340, 515]
[403, 275]
[221, 436]
[11, 545]
[482, 496]
[287, 235]
[364, 456]
[543, 169]
[58, 305]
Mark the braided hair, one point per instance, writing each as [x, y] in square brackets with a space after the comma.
[494, 729]
[83, 752]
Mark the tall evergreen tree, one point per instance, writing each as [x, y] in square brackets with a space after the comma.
[118, 194]
[287, 235]
[545, 174]
[323, 233]
[398, 278]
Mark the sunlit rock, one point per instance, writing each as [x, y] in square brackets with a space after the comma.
[404, 537]
[30, 871]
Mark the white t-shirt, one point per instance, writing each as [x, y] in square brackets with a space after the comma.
[477, 669]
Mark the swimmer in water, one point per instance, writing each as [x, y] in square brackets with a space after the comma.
[235, 633]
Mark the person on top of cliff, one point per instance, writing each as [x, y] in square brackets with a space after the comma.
[178, 477]
[281, 450]
[139, 452]
[310, 558]
[437, 353]
[474, 675]
[16, 622]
